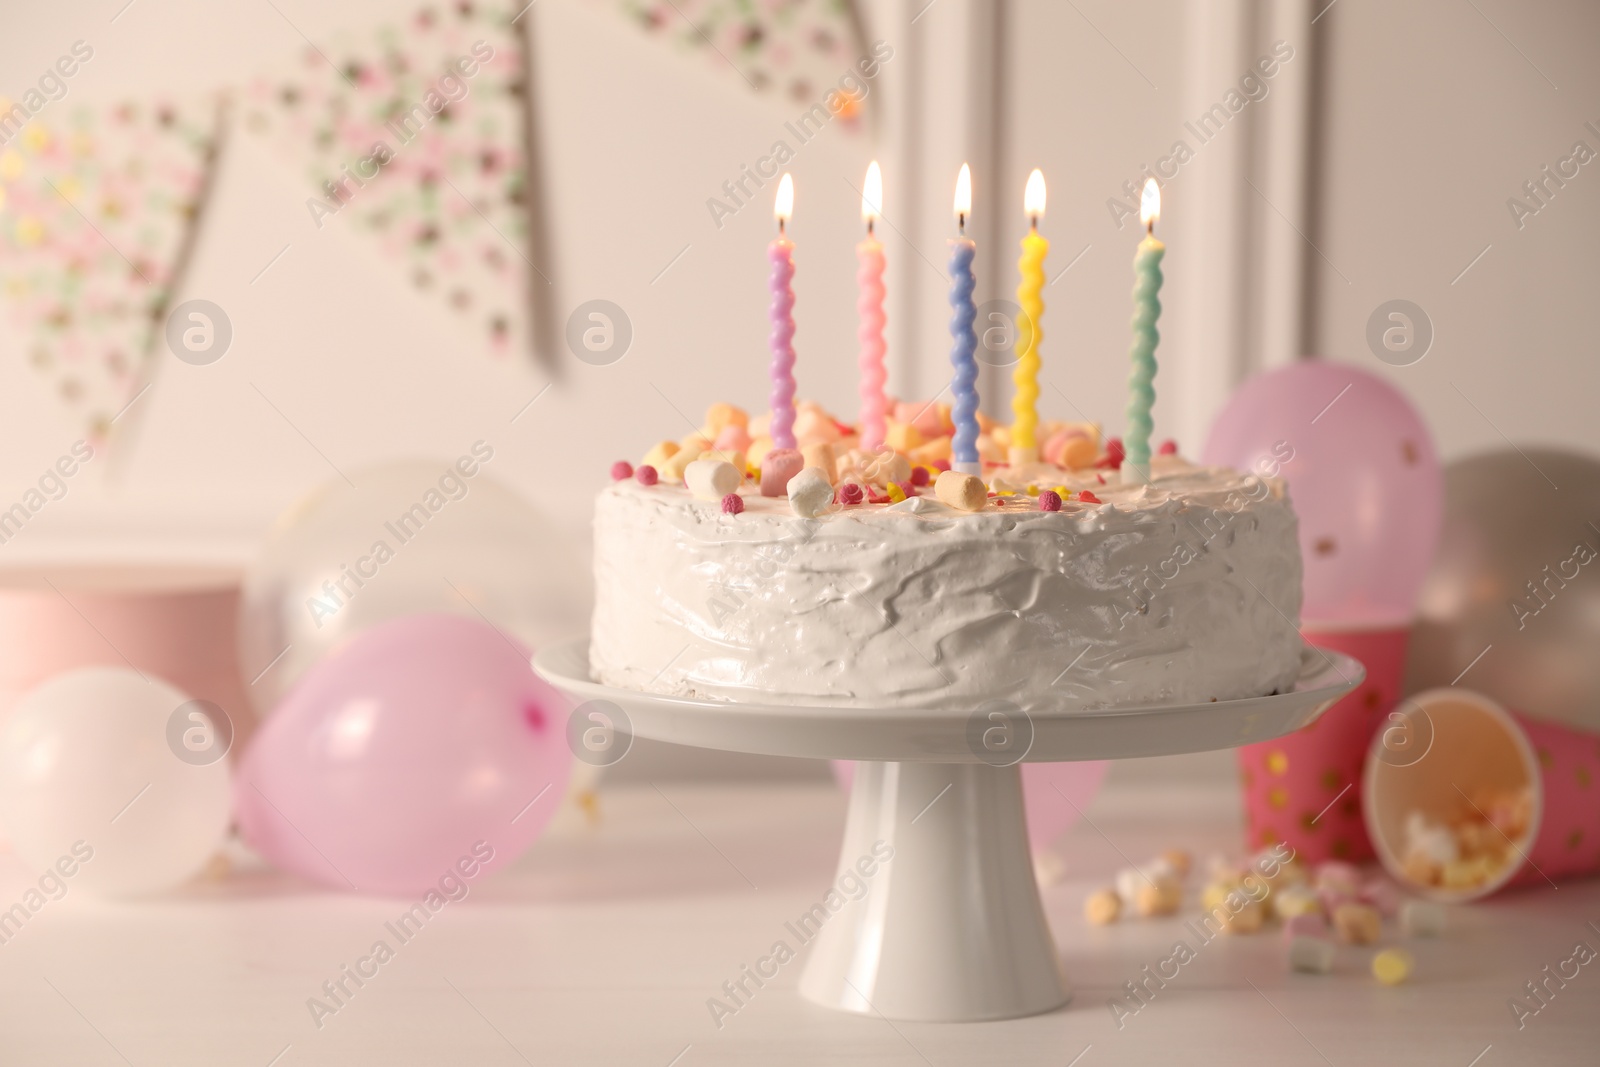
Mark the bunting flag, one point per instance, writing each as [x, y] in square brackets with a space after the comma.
[416, 135]
[99, 210]
[798, 50]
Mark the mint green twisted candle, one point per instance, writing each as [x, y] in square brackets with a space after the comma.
[1146, 310]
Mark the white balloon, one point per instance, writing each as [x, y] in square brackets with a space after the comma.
[405, 537]
[122, 767]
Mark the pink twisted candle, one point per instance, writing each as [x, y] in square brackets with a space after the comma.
[869, 306]
[781, 253]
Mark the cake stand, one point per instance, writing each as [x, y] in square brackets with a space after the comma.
[951, 928]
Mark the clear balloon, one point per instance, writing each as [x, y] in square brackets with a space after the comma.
[1363, 476]
[1513, 599]
[406, 538]
[424, 749]
[1053, 794]
[116, 777]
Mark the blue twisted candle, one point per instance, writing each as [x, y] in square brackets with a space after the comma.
[963, 357]
[1146, 310]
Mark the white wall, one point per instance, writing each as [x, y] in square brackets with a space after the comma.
[1434, 119]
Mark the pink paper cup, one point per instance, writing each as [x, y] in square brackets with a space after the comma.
[1445, 744]
[1305, 789]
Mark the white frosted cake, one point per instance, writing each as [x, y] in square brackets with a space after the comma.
[1184, 589]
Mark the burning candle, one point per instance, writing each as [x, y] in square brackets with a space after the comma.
[963, 351]
[781, 255]
[869, 307]
[1146, 310]
[1030, 290]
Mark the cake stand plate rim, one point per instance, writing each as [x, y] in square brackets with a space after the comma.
[940, 736]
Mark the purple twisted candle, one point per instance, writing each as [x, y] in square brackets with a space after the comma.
[963, 352]
[781, 253]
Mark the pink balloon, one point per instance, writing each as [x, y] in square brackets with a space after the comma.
[1363, 476]
[1053, 794]
[424, 749]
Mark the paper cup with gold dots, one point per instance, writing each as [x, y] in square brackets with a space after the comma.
[1305, 789]
[1463, 797]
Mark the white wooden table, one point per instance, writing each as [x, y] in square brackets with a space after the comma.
[603, 947]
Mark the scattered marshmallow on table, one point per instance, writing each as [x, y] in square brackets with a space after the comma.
[1339, 877]
[1311, 924]
[1357, 924]
[810, 492]
[1421, 918]
[1392, 966]
[1295, 900]
[1311, 955]
[1102, 907]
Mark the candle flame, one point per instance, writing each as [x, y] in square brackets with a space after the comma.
[1150, 203]
[872, 194]
[783, 209]
[1033, 196]
[964, 192]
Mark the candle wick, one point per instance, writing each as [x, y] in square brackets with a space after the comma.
[961, 221]
[780, 227]
[1034, 221]
[869, 227]
[1150, 228]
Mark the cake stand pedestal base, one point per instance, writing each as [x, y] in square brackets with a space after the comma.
[951, 928]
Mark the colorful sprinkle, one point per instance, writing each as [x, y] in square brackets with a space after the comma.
[732, 504]
[896, 493]
[646, 475]
[941, 465]
[1049, 500]
[850, 493]
[1088, 497]
[1114, 455]
[1169, 447]
[621, 470]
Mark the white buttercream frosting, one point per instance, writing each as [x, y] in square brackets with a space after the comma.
[1182, 590]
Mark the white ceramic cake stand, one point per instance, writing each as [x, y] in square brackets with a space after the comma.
[951, 928]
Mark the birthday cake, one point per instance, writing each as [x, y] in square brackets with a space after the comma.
[834, 575]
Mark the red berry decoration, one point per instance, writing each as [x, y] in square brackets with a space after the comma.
[1088, 497]
[1169, 447]
[919, 475]
[908, 488]
[1049, 500]
[732, 504]
[941, 465]
[620, 470]
[646, 475]
[850, 493]
[1114, 455]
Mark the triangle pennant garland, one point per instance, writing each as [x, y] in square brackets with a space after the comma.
[416, 135]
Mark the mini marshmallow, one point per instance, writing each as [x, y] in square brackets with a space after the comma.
[1422, 918]
[1309, 924]
[1383, 895]
[720, 416]
[902, 437]
[659, 454]
[1163, 897]
[1357, 924]
[672, 471]
[814, 424]
[1295, 900]
[760, 445]
[711, 479]
[1311, 955]
[810, 492]
[1247, 920]
[1102, 907]
[1179, 860]
[1338, 876]
[1392, 966]
[732, 438]
[777, 468]
[964, 492]
[820, 456]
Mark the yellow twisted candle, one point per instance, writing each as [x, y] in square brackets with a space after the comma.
[1030, 290]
